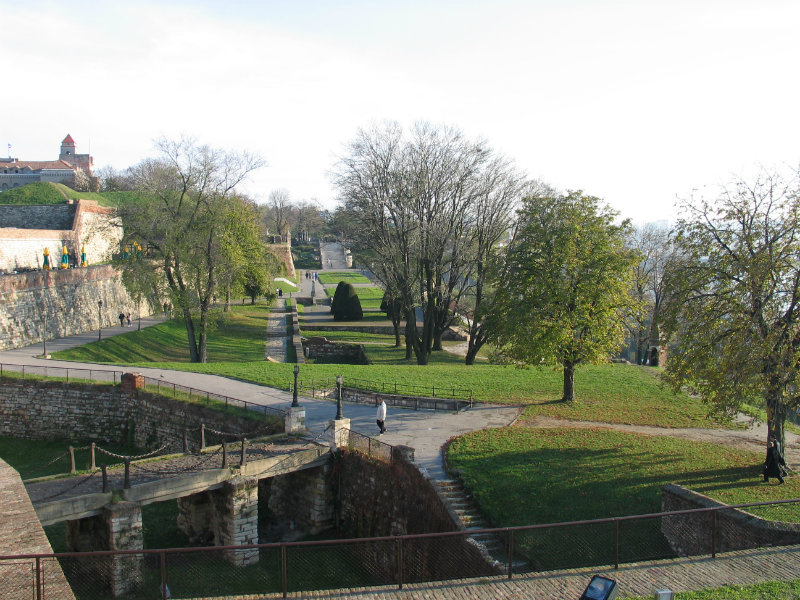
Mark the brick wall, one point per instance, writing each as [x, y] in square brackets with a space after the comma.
[691, 534]
[36, 409]
[51, 216]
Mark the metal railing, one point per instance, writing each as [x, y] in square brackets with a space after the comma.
[284, 567]
[323, 386]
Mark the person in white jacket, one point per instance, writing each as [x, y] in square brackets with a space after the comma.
[381, 414]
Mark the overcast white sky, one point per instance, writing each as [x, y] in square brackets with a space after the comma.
[634, 101]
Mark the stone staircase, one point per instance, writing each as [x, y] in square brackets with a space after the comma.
[466, 512]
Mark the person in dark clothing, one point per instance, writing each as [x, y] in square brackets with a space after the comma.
[121, 319]
[774, 465]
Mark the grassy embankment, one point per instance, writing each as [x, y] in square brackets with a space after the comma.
[57, 193]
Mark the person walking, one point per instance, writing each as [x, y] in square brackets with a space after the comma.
[381, 415]
[774, 465]
[121, 319]
[127, 319]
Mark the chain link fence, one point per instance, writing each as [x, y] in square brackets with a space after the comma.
[280, 568]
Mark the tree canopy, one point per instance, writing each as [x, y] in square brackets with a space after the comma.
[732, 305]
[566, 281]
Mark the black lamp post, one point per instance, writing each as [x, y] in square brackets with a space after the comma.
[99, 320]
[339, 415]
[295, 403]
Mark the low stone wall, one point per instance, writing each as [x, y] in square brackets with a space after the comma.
[416, 402]
[320, 348]
[448, 335]
[50, 216]
[691, 534]
[35, 409]
[21, 533]
[60, 303]
[379, 499]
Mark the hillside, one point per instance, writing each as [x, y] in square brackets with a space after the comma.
[57, 193]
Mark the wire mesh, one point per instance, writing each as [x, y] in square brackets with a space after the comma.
[442, 558]
[19, 578]
[369, 446]
[339, 566]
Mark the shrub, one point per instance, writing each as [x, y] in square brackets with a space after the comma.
[345, 305]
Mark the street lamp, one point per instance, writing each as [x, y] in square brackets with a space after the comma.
[99, 320]
[295, 403]
[339, 415]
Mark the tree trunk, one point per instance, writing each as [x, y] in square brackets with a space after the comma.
[569, 382]
[187, 319]
[437, 341]
[228, 299]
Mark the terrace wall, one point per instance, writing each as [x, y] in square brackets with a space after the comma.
[691, 534]
[38, 409]
[60, 303]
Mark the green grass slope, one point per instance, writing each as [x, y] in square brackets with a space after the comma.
[56, 193]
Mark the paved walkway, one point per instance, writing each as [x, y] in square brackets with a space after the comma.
[277, 334]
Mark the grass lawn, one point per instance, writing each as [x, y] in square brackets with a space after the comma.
[612, 393]
[367, 293]
[334, 277]
[355, 337]
[286, 287]
[771, 590]
[32, 458]
[238, 336]
[523, 476]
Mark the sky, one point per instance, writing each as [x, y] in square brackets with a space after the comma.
[638, 102]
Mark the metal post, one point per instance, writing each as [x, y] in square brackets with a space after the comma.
[39, 587]
[163, 575]
[284, 577]
[127, 483]
[99, 320]
[243, 460]
[202, 436]
[295, 404]
[616, 544]
[713, 534]
[92, 465]
[510, 553]
[224, 454]
[399, 546]
[339, 415]
[105, 478]
[71, 460]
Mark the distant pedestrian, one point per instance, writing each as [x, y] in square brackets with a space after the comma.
[121, 319]
[774, 465]
[280, 293]
[166, 308]
[381, 415]
[128, 319]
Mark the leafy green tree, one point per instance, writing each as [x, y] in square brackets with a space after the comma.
[733, 307]
[566, 280]
[191, 222]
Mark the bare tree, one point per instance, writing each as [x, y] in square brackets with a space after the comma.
[279, 212]
[413, 197]
[655, 247]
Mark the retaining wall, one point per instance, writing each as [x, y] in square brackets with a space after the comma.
[380, 499]
[60, 303]
[324, 350]
[37, 409]
[691, 534]
[416, 402]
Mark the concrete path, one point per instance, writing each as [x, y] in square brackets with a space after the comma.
[332, 256]
[277, 334]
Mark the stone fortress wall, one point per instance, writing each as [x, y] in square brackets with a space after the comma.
[25, 231]
[60, 303]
